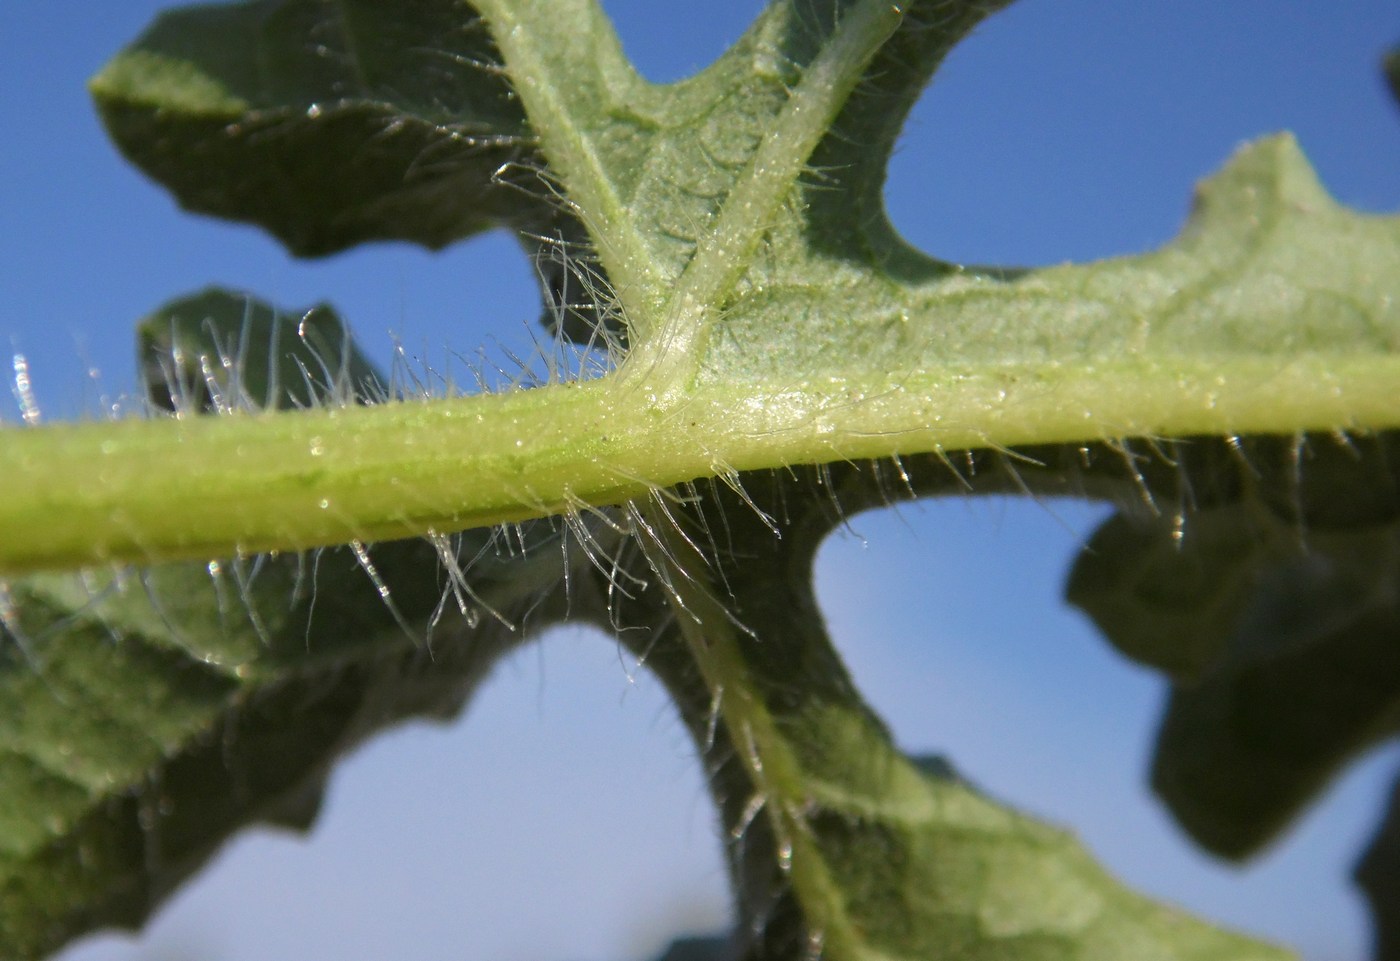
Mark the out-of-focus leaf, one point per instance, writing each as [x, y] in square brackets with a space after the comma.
[1241, 755]
[1247, 554]
[149, 715]
[1275, 602]
[1168, 595]
[326, 122]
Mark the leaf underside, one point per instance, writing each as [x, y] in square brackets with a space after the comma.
[734, 241]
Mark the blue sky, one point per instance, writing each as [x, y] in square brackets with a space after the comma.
[564, 818]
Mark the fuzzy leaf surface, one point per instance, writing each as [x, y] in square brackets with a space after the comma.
[786, 281]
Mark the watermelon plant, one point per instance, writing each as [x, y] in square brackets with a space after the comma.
[290, 550]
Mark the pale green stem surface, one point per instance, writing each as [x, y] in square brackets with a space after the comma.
[148, 491]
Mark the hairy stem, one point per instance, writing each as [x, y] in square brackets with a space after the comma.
[146, 491]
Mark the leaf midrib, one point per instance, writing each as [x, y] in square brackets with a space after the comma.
[622, 249]
[668, 341]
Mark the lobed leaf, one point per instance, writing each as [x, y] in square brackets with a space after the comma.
[772, 318]
[767, 335]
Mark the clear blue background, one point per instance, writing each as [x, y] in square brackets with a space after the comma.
[564, 817]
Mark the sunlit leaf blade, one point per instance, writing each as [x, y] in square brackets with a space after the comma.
[151, 714]
[326, 122]
[1273, 266]
[1378, 876]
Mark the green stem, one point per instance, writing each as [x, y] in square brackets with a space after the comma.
[147, 491]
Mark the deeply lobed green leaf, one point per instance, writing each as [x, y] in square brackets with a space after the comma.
[773, 318]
